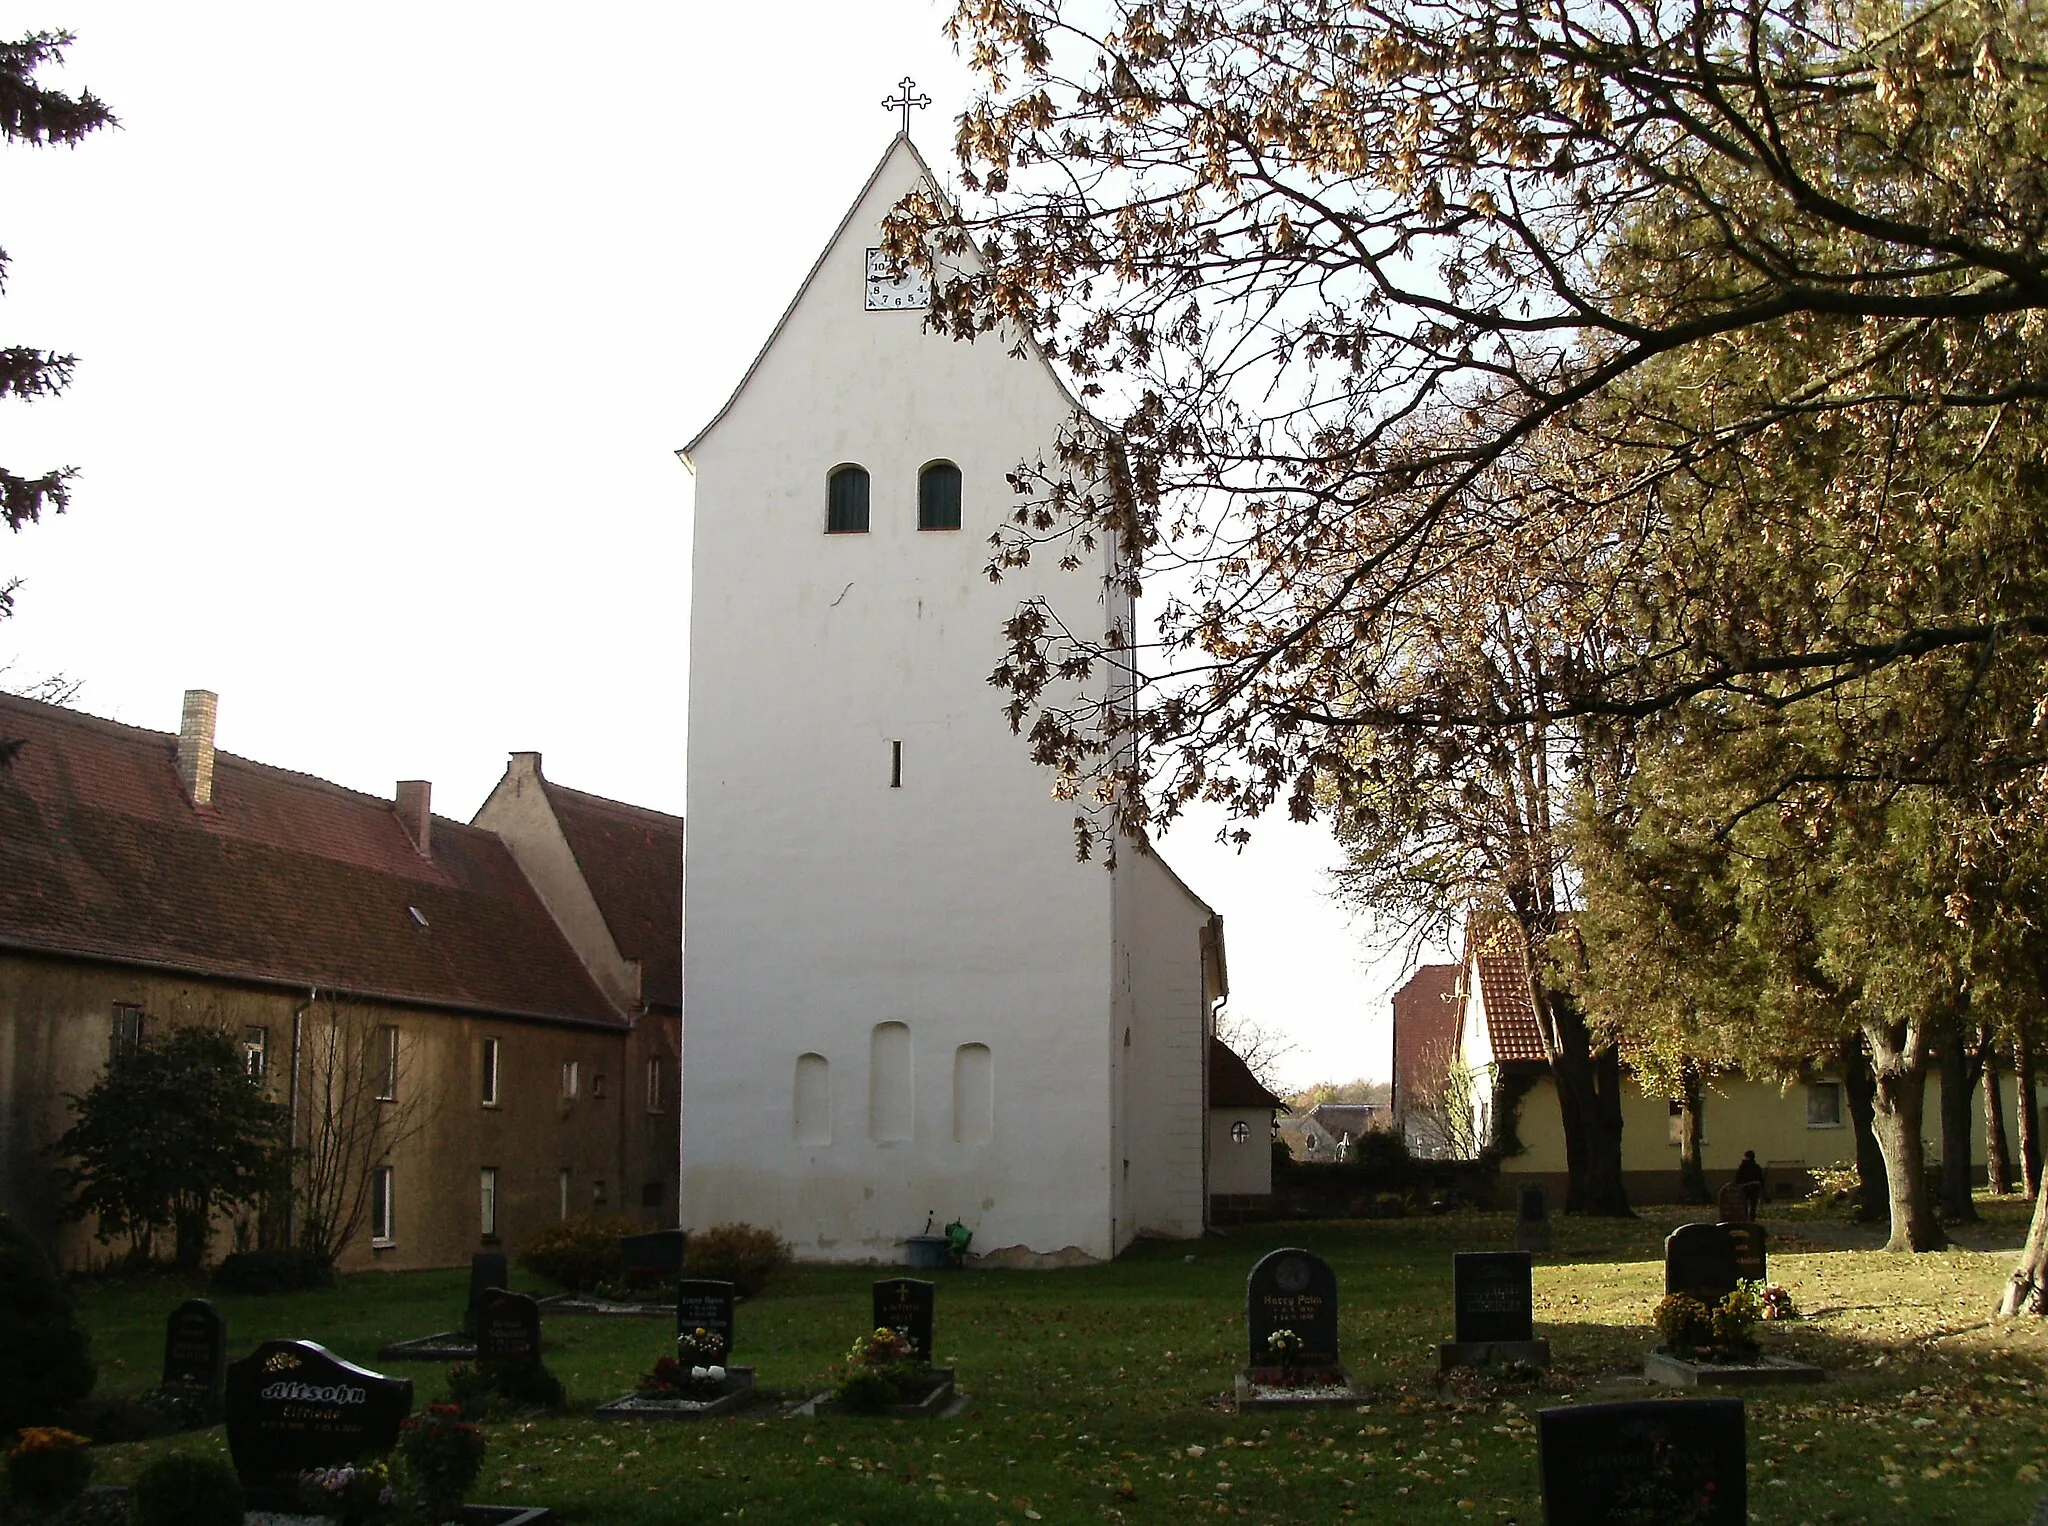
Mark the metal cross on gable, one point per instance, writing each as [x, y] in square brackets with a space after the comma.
[905, 101]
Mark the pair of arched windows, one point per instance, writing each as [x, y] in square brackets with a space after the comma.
[938, 498]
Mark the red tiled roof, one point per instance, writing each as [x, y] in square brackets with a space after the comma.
[284, 878]
[1495, 947]
[632, 860]
[1231, 1082]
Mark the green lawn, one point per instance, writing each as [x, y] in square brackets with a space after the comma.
[1097, 1393]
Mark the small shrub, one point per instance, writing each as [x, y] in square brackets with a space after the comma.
[1382, 1153]
[740, 1254]
[1685, 1323]
[112, 1418]
[45, 1355]
[265, 1272]
[1389, 1205]
[186, 1489]
[443, 1455]
[579, 1253]
[49, 1466]
[499, 1387]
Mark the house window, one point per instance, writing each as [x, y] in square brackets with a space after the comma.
[387, 1062]
[383, 1208]
[597, 1193]
[565, 1192]
[653, 1194]
[938, 497]
[654, 1084]
[127, 1031]
[846, 501]
[597, 1084]
[256, 1052]
[490, 1092]
[487, 1192]
[1240, 1131]
[1824, 1105]
[1674, 1125]
[569, 1080]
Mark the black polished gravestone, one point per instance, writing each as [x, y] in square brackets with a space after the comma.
[487, 1270]
[292, 1406]
[1656, 1460]
[1700, 1260]
[904, 1304]
[1494, 1297]
[507, 1327]
[1732, 1204]
[1532, 1220]
[1292, 1290]
[703, 1304]
[1749, 1250]
[656, 1256]
[195, 1354]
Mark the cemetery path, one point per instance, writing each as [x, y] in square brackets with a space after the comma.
[1986, 1238]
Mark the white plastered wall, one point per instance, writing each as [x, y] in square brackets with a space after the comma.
[1165, 1088]
[820, 902]
[1240, 1169]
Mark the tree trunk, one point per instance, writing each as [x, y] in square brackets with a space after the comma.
[194, 1226]
[1692, 1124]
[1957, 1205]
[1589, 1098]
[2025, 1292]
[2029, 1122]
[1898, 1109]
[1859, 1086]
[1997, 1158]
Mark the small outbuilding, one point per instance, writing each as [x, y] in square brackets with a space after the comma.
[1241, 1112]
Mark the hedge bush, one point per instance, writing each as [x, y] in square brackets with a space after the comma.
[264, 1272]
[46, 1362]
[579, 1253]
[737, 1253]
[186, 1489]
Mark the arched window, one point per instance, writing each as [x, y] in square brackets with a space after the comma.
[938, 497]
[846, 501]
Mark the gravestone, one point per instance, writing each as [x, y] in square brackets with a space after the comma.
[904, 1304]
[486, 1271]
[1494, 1297]
[1749, 1251]
[658, 1255]
[196, 1353]
[1532, 1220]
[1732, 1204]
[292, 1405]
[703, 1304]
[1699, 1259]
[1292, 1290]
[507, 1327]
[1660, 1460]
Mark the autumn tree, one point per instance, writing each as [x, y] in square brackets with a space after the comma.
[359, 1100]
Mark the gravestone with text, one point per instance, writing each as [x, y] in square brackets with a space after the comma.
[1700, 1261]
[1732, 1204]
[1658, 1460]
[1532, 1220]
[1748, 1238]
[705, 1304]
[904, 1304]
[1493, 1294]
[487, 1270]
[1291, 1290]
[196, 1354]
[507, 1327]
[294, 1405]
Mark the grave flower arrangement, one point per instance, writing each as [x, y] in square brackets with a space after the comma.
[1724, 1333]
[882, 1369]
[49, 1466]
[358, 1495]
[696, 1371]
[1284, 1347]
[1777, 1302]
[443, 1454]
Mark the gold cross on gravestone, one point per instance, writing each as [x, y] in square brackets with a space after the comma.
[905, 101]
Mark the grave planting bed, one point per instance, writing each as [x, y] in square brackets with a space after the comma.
[1095, 1393]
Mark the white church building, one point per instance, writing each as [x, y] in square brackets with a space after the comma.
[904, 999]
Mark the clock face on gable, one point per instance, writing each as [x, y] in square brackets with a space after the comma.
[885, 295]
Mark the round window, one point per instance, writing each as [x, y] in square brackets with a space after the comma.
[1240, 1131]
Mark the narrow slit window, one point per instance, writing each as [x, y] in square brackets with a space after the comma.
[895, 765]
[889, 1083]
[938, 497]
[387, 1062]
[487, 1187]
[812, 1113]
[490, 1090]
[383, 1208]
[846, 501]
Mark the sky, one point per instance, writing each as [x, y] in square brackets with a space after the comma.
[390, 319]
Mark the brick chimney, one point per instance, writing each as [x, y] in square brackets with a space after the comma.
[416, 815]
[195, 745]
